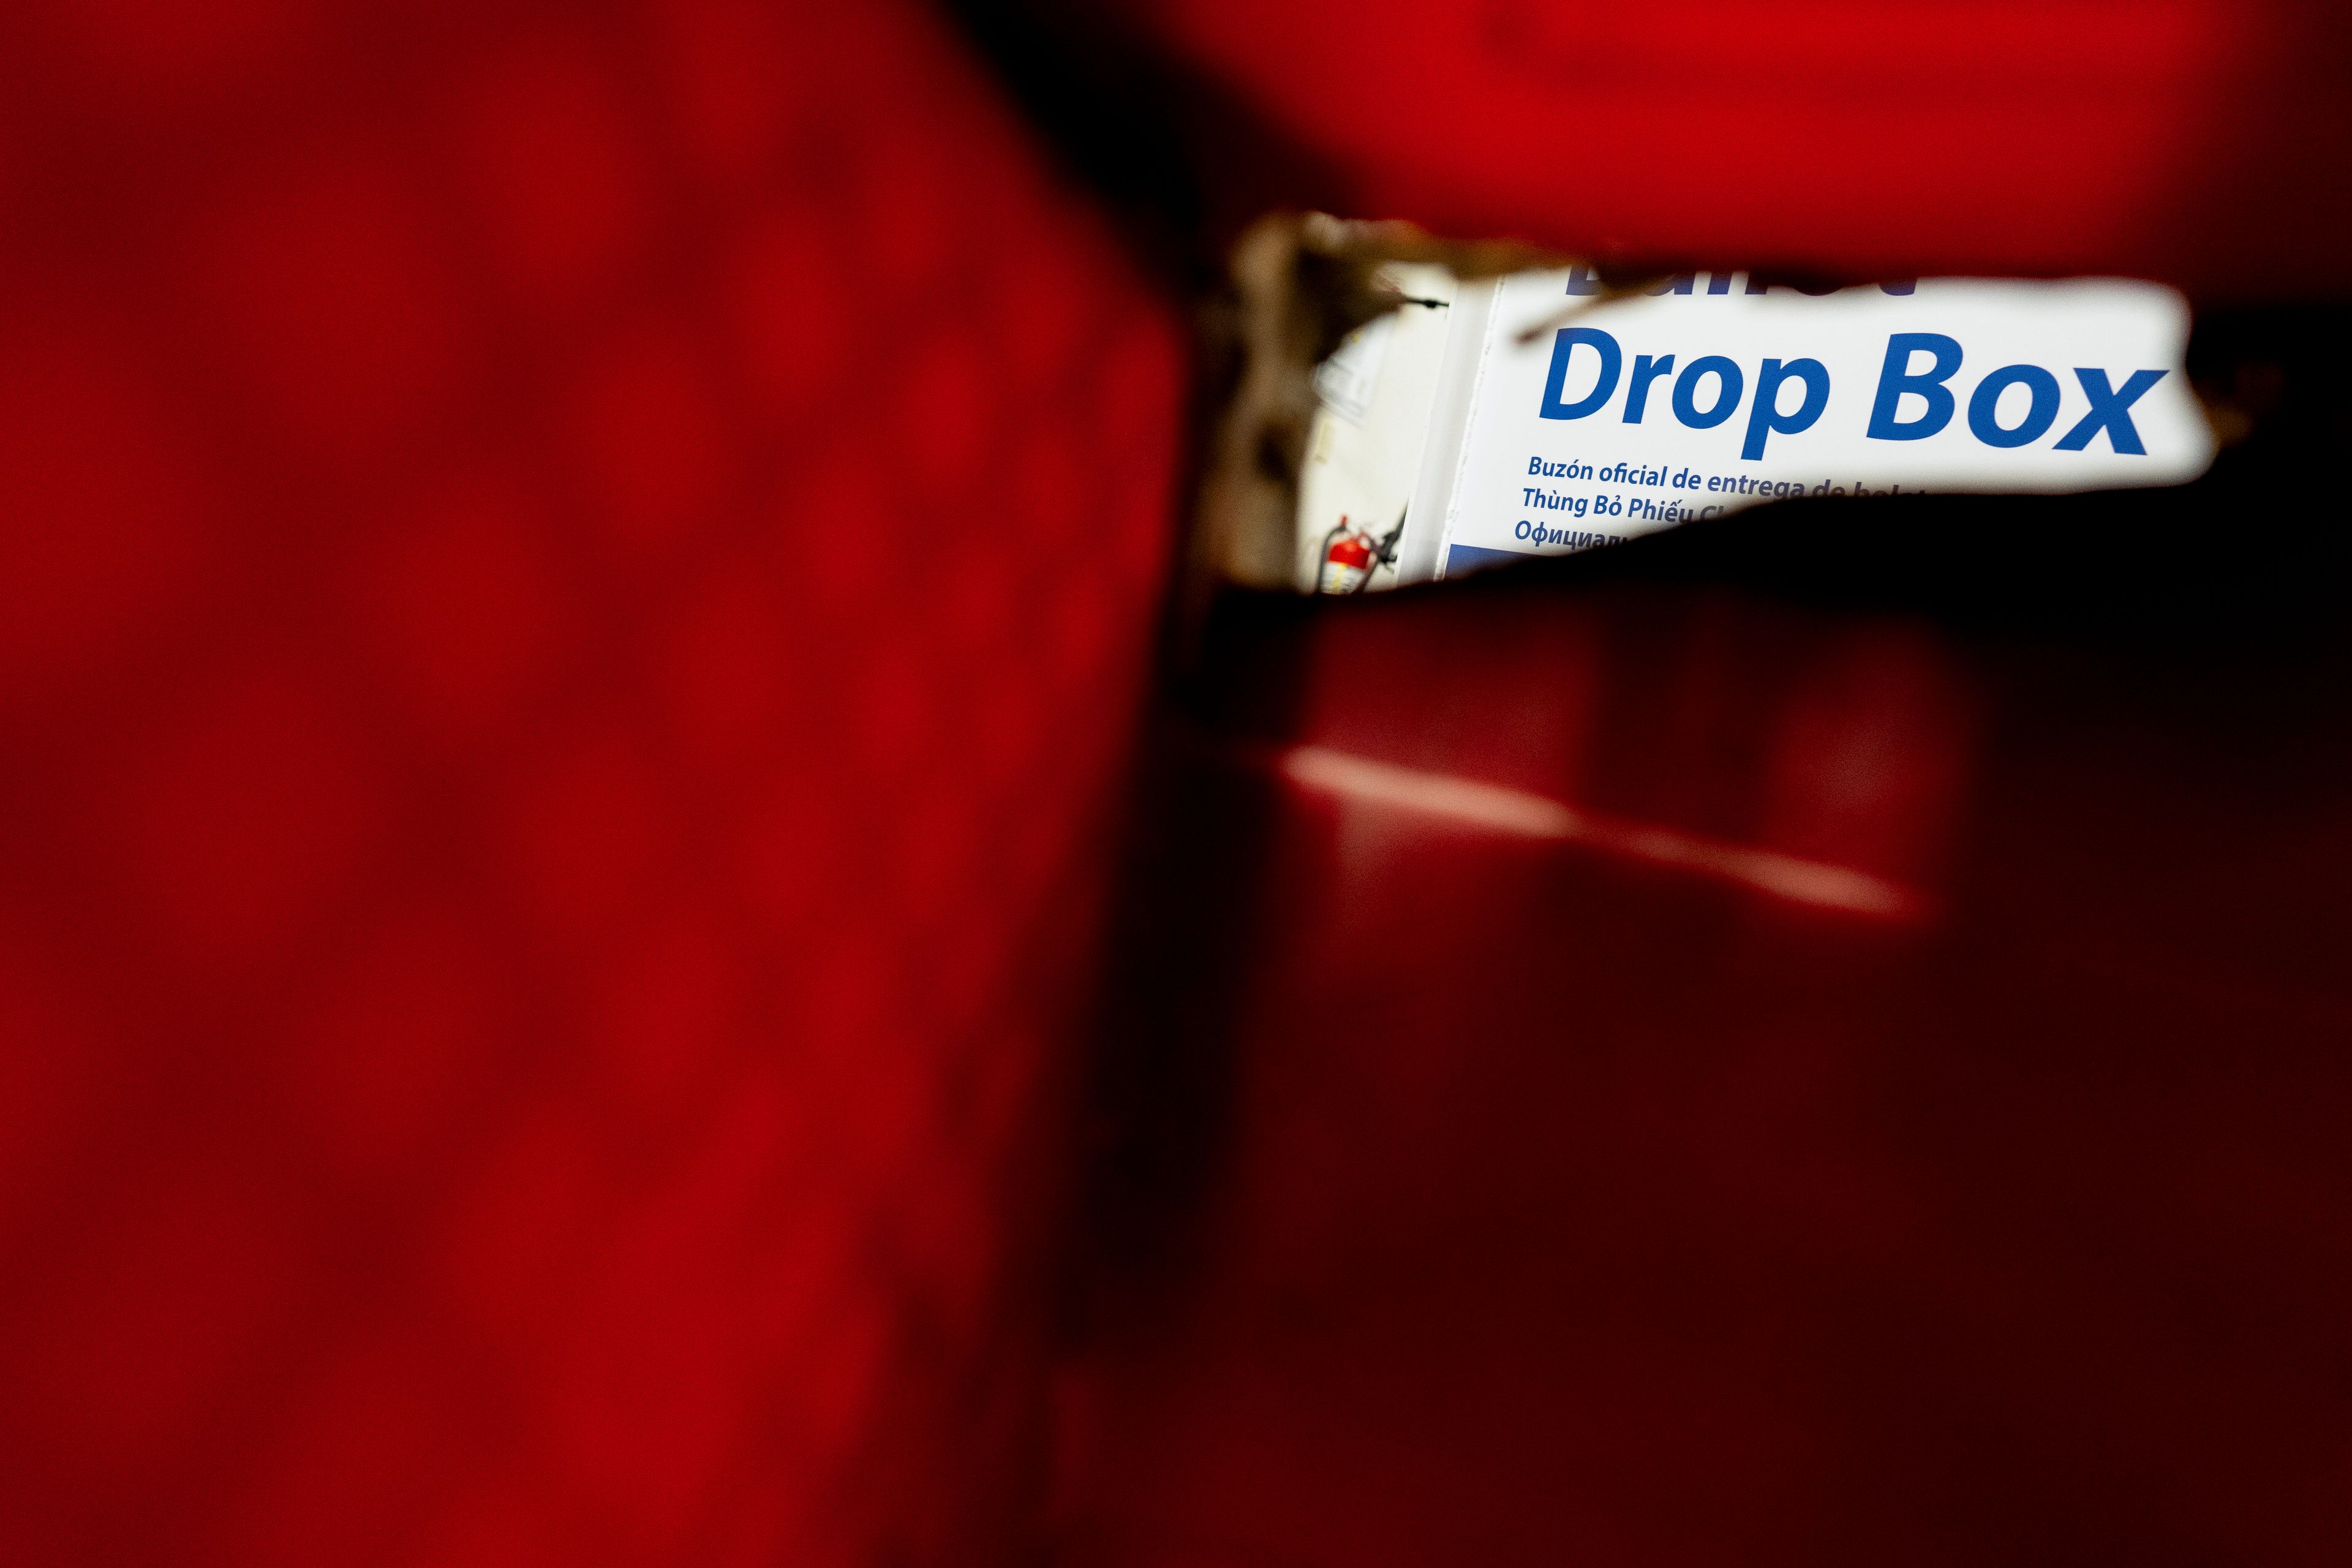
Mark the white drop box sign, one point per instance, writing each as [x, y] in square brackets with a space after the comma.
[1558, 428]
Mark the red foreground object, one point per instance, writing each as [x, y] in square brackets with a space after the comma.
[576, 591]
[2205, 142]
[1894, 1112]
[576, 588]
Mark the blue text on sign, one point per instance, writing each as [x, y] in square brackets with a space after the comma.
[1708, 390]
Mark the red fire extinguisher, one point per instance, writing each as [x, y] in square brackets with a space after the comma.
[1351, 557]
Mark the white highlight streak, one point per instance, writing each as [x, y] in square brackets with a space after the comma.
[1524, 815]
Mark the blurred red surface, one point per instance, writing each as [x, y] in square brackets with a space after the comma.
[1533, 1192]
[2202, 142]
[576, 586]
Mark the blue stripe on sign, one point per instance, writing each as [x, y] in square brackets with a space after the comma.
[1463, 558]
